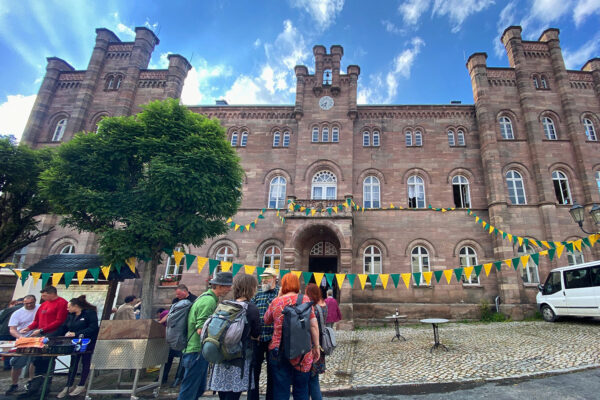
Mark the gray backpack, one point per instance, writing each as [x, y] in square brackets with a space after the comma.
[177, 320]
[295, 338]
[326, 334]
[222, 333]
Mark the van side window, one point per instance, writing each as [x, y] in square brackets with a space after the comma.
[577, 278]
[552, 284]
[595, 275]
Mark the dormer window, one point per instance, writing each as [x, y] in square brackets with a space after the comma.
[327, 77]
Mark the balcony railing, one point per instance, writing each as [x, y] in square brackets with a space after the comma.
[321, 207]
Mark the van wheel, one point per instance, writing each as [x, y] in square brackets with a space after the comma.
[548, 314]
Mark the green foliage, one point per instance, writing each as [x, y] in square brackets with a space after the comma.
[20, 199]
[487, 315]
[537, 316]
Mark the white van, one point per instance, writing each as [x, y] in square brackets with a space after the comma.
[573, 290]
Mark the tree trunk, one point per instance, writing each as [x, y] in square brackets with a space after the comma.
[110, 298]
[148, 283]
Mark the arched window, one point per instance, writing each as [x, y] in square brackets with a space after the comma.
[408, 139]
[68, 249]
[371, 192]
[119, 80]
[549, 129]
[376, 138]
[224, 253]
[543, 82]
[366, 139]
[460, 189]
[272, 257]
[468, 258]
[416, 192]
[244, 140]
[315, 134]
[335, 134]
[418, 138]
[276, 139]
[451, 137]
[325, 134]
[110, 80]
[18, 257]
[324, 186]
[372, 260]
[59, 130]
[575, 257]
[327, 77]
[460, 137]
[561, 187]
[286, 139]
[536, 83]
[234, 139]
[506, 128]
[323, 249]
[277, 192]
[530, 272]
[590, 132]
[516, 190]
[173, 269]
[419, 260]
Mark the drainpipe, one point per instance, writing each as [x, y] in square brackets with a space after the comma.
[497, 302]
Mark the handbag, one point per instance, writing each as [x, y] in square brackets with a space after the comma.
[328, 342]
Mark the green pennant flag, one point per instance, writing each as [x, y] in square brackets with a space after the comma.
[236, 268]
[307, 276]
[329, 277]
[373, 279]
[417, 278]
[260, 216]
[458, 272]
[189, 260]
[503, 235]
[45, 278]
[297, 207]
[395, 279]
[283, 272]
[526, 242]
[349, 201]
[498, 265]
[232, 224]
[24, 276]
[263, 210]
[242, 228]
[552, 245]
[536, 258]
[212, 264]
[438, 275]
[252, 224]
[515, 239]
[95, 272]
[329, 210]
[477, 269]
[515, 262]
[551, 253]
[117, 266]
[259, 272]
[539, 244]
[587, 242]
[495, 232]
[569, 247]
[68, 278]
[351, 277]
[169, 251]
[340, 207]
[307, 211]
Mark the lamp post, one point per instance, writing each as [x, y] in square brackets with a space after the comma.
[578, 213]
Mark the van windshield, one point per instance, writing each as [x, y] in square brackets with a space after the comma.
[552, 284]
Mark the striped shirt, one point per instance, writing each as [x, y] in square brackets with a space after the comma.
[262, 301]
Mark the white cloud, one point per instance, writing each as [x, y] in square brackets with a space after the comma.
[574, 59]
[507, 18]
[150, 25]
[14, 113]
[585, 8]
[412, 10]
[323, 12]
[257, 43]
[198, 87]
[125, 30]
[391, 28]
[459, 10]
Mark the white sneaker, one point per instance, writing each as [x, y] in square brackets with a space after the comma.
[77, 391]
[63, 393]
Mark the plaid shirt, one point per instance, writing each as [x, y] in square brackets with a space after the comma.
[262, 301]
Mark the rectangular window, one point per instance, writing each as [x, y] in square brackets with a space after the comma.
[577, 278]
[552, 284]
[335, 135]
[461, 196]
[315, 135]
[595, 275]
[366, 139]
[408, 139]
[317, 193]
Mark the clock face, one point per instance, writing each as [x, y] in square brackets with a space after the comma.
[326, 102]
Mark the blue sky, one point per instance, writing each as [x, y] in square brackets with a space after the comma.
[409, 51]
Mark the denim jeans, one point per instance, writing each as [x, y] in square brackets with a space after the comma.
[285, 375]
[314, 389]
[194, 379]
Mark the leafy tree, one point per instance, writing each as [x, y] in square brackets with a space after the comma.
[143, 183]
[20, 200]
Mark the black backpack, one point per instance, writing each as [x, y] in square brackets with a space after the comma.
[295, 338]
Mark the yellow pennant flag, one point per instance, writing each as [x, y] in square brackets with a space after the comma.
[249, 269]
[247, 227]
[105, 271]
[487, 268]
[384, 279]
[318, 277]
[577, 244]
[556, 244]
[524, 260]
[335, 210]
[593, 239]
[448, 275]
[427, 276]
[509, 237]
[491, 229]
[444, 210]
[178, 256]
[201, 262]
[255, 221]
[81, 275]
[392, 205]
[131, 262]
[36, 277]
[508, 262]
[226, 266]
[363, 279]
[277, 213]
[302, 209]
[236, 227]
[56, 278]
[544, 253]
[500, 232]
[520, 240]
[468, 271]
[313, 211]
[476, 219]
[340, 279]
[559, 250]
[297, 273]
[16, 271]
[406, 279]
[228, 220]
[483, 224]
[546, 244]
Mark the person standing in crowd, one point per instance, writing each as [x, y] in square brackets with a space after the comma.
[294, 372]
[81, 322]
[21, 319]
[231, 379]
[262, 300]
[196, 367]
[127, 309]
[51, 314]
[5, 315]
[318, 367]
[333, 310]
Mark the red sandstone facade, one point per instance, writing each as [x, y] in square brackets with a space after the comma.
[506, 131]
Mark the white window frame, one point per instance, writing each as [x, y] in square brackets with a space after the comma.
[536, 83]
[286, 139]
[18, 258]
[67, 249]
[109, 82]
[419, 261]
[371, 192]
[376, 138]
[315, 135]
[467, 257]
[416, 184]
[119, 80]
[464, 191]
[234, 139]
[590, 131]
[172, 269]
[451, 142]
[543, 82]
[418, 139]
[408, 139]
[460, 137]
[506, 128]
[271, 257]
[276, 139]
[549, 128]
[277, 189]
[335, 134]
[530, 273]
[59, 130]
[598, 180]
[372, 260]
[560, 178]
[224, 253]
[330, 182]
[514, 182]
[325, 134]
[575, 257]
[366, 139]
[244, 139]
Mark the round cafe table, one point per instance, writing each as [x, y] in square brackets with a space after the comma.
[436, 337]
[397, 318]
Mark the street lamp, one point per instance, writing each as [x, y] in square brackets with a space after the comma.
[577, 213]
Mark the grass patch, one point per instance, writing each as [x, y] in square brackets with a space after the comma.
[487, 315]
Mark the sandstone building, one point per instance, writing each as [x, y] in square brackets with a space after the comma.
[518, 157]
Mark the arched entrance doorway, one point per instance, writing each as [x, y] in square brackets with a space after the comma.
[323, 257]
